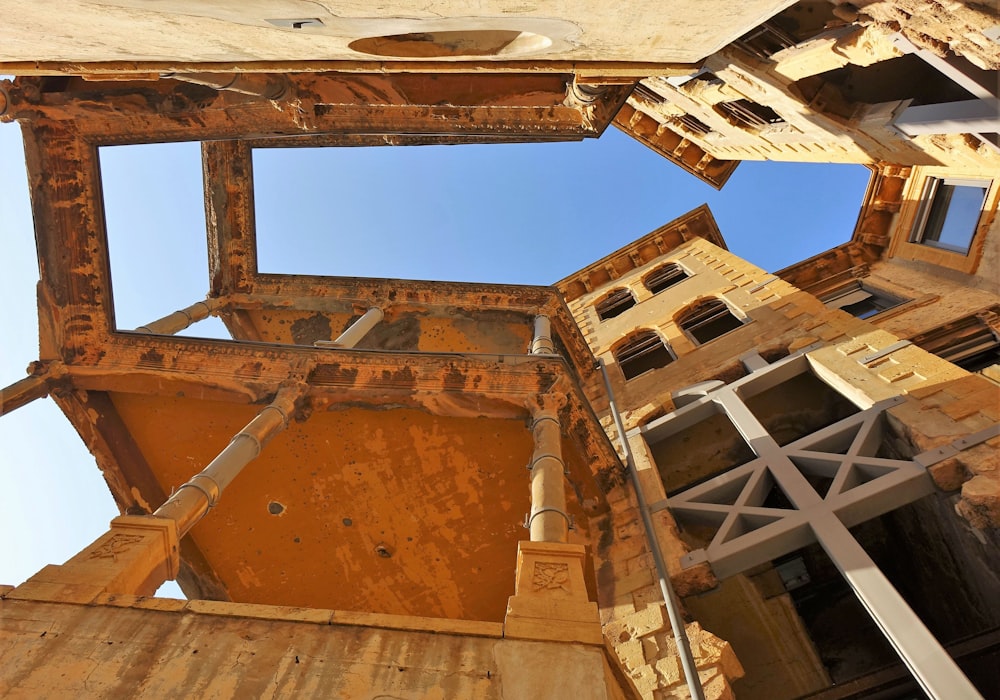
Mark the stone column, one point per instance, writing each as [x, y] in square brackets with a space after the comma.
[548, 520]
[550, 598]
[139, 553]
[182, 318]
[357, 330]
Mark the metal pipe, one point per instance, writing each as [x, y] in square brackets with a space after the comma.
[548, 520]
[270, 87]
[191, 502]
[541, 343]
[666, 587]
[357, 330]
[181, 319]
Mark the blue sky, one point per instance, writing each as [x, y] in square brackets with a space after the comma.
[525, 214]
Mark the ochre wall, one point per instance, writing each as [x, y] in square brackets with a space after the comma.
[135, 647]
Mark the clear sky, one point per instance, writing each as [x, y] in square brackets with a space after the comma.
[525, 214]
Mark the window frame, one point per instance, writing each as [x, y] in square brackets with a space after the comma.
[614, 306]
[928, 197]
[912, 197]
[968, 342]
[674, 267]
[857, 286]
[686, 311]
[631, 343]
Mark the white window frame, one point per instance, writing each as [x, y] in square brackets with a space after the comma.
[927, 197]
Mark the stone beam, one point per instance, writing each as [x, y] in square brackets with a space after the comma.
[229, 213]
[75, 271]
[541, 105]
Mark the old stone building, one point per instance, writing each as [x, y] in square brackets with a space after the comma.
[768, 485]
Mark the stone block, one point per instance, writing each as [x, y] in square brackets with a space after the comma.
[957, 410]
[61, 592]
[980, 503]
[142, 602]
[949, 474]
[638, 624]
[260, 612]
[634, 581]
[550, 600]
[554, 630]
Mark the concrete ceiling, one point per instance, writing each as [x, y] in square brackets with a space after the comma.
[218, 31]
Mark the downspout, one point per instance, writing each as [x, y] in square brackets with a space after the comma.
[666, 587]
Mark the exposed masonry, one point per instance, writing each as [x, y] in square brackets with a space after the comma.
[868, 364]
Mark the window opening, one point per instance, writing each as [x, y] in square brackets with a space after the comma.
[647, 94]
[949, 213]
[970, 342]
[765, 41]
[798, 407]
[747, 114]
[153, 276]
[709, 446]
[615, 303]
[800, 22]
[641, 353]
[693, 124]
[707, 320]
[860, 300]
[664, 277]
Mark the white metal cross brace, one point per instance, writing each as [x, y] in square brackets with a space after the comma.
[832, 479]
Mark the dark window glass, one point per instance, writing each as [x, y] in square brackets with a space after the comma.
[615, 303]
[860, 300]
[949, 214]
[642, 352]
[708, 320]
[663, 277]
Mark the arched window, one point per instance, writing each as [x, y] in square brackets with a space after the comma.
[663, 277]
[641, 352]
[707, 320]
[614, 303]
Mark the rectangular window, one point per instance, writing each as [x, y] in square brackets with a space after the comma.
[949, 213]
[969, 342]
[860, 299]
[765, 41]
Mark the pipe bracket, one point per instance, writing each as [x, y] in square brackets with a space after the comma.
[529, 518]
[212, 498]
[538, 420]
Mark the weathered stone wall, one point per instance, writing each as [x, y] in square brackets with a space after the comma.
[154, 648]
[821, 120]
[943, 403]
[941, 26]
